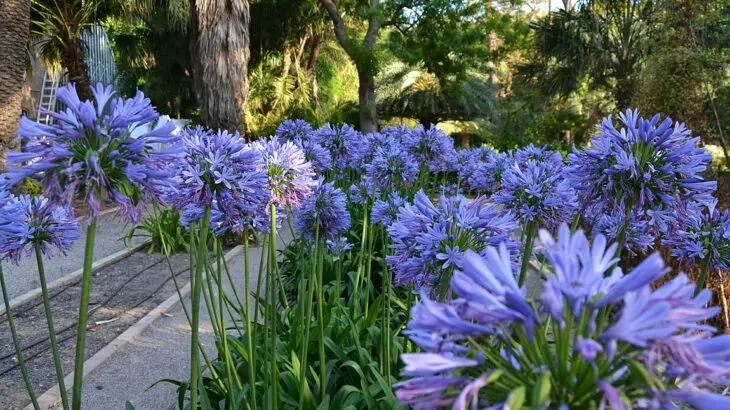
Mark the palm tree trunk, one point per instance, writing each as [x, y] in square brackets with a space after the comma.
[73, 59]
[367, 103]
[14, 24]
[219, 47]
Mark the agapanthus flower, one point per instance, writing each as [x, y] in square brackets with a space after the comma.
[324, 214]
[300, 133]
[486, 178]
[294, 130]
[704, 238]
[343, 143]
[338, 246]
[26, 221]
[391, 168]
[423, 233]
[466, 162]
[539, 154]
[623, 340]
[430, 147]
[90, 148]
[362, 154]
[290, 176]
[385, 211]
[219, 171]
[537, 191]
[644, 166]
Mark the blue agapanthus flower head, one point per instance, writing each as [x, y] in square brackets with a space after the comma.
[705, 237]
[221, 171]
[539, 154]
[391, 168]
[26, 221]
[293, 130]
[486, 178]
[428, 240]
[537, 191]
[625, 339]
[466, 162]
[430, 147]
[343, 143]
[385, 211]
[290, 176]
[363, 154]
[91, 148]
[324, 214]
[645, 165]
[338, 246]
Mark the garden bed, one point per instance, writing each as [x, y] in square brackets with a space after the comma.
[121, 294]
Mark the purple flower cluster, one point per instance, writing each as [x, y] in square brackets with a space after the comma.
[489, 341]
[428, 240]
[466, 162]
[26, 221]
[90, 147]
[705, 238]
[648, 167]
[343, 143]
[219, 170]
[488, 173]
[324, 214]
[300, 133]
[537, 191]
[385, 211]
[430, 147]
[290, 176]
[390, 168]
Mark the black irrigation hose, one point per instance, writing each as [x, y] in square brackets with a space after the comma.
[65, 338]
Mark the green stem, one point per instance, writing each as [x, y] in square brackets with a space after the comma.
[320, 322]
[247, 315]
[49, 321]
[527, 255]
[274, 288]
[306, 318]
[83, 316]
[703, 275]
[201, 255]
[16, 343]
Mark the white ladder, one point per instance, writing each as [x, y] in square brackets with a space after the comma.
[48, 96]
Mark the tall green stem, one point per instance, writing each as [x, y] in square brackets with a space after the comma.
[306, 317]
[320, 323]
[273, 291]
[201, 254]
[247, 316]
[703, 275]
[16, 342]
[83, 316]
[531, 229]
[51, 329]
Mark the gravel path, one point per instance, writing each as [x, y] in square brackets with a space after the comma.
[109, 239]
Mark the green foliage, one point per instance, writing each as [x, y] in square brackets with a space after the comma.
[163, 227]
[30, 186]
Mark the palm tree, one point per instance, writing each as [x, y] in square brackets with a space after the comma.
[56, 27]
[406, 91]
[14, 20]
[219, 48]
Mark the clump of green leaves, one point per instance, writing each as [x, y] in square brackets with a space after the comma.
[162, 226]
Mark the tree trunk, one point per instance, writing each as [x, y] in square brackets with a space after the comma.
[74, 61]
[219, 48]
[14, 29]
[366, 94]
[311, 63]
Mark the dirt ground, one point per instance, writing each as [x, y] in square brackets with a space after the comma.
[121, 294]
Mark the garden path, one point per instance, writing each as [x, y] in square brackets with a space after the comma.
[109, 239]
[161, 351]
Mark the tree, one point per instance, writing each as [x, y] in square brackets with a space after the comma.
[14, 20]
[362, 53]
[219, 48]
[604, 42]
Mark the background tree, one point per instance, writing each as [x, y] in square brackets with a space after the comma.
[14, 21]
[219, 50]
